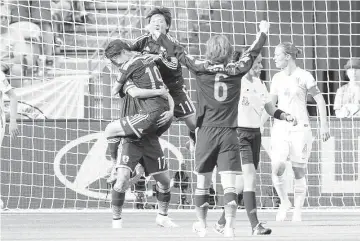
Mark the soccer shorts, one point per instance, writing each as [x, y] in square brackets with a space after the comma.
[183, 104]
[217, 146]
[250, 143]
[147, 151]
[293, 144]
[140, 124]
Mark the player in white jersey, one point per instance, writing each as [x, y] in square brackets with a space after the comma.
[254, 98]
[5, 88]
[289, 88]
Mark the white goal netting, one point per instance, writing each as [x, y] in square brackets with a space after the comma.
[59, 160]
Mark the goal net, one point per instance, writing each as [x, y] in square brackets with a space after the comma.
[64, 85]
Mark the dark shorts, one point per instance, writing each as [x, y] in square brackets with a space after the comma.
[250, 143]
[142, 124]
[217, 146]
[183, 104]
[147, 151]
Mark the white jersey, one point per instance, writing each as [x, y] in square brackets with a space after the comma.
[4, 87]
[253, 97]
[292, 93]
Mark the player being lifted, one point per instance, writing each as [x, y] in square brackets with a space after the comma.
[218, 85]
[170, 69]
[289, 88]
[143, 88]
[254, 98]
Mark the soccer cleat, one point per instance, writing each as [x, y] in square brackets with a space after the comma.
[297, 215]
[117, 223]
[261, 230]
[165, 221]
[199, 229]
[219, 228]
[284, 207]
[229, 232]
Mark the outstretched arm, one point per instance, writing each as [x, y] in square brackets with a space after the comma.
[325, 132]
[247, 59]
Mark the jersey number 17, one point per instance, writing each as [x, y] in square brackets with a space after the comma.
[218, 85]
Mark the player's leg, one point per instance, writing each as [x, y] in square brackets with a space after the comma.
[127, 161]
[2, 129]
[184, 109]
[279, 154]
[301, 145]
[118, 195]
[202, 198]
[229, 167]
[113, 149]
[206, 152]
[156, 165]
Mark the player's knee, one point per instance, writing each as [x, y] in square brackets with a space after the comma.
[230, 196]
[204, 180]
[113, 146]
[109, 130]
[278, 168]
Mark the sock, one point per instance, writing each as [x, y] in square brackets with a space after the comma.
[240, 198]
[202, 197]
[113, 145]
[250, 206]
[163, 198]
[192, 136]
[222, 220]
[299, 192]
[117, 202]
[279, 183]
[230, 206]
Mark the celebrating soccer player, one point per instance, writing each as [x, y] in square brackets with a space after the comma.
[290, 88]
[218, 90]
[170, 69]
[254, 98]
[141, 86]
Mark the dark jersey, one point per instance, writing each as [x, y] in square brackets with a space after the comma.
[142, 72]
[169, 66]
[217, 86]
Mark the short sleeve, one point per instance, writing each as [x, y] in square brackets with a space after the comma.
[128, 85]
[4, 84]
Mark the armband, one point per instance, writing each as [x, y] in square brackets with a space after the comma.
[278, 113]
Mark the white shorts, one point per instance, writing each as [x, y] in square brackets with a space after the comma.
[293, 144]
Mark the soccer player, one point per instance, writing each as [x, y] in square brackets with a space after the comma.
[5, 88]
[218, 90]
[254, 98]
[290, 88]
[139, 80]
[170, 69]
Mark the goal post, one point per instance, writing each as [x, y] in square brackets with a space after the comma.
[59, 160]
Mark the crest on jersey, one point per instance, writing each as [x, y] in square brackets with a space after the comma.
[245, 101]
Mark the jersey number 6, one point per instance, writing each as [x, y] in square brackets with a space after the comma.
[220, 85]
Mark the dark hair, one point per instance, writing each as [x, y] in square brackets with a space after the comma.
[115, 47]
[162, 11]
[291, 49]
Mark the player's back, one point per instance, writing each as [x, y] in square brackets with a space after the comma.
[217, 99]
[142, 72]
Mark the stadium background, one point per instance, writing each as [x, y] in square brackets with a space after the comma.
[69, 101]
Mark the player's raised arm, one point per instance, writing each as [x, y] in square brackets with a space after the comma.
[247, 59]
[174, 49]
